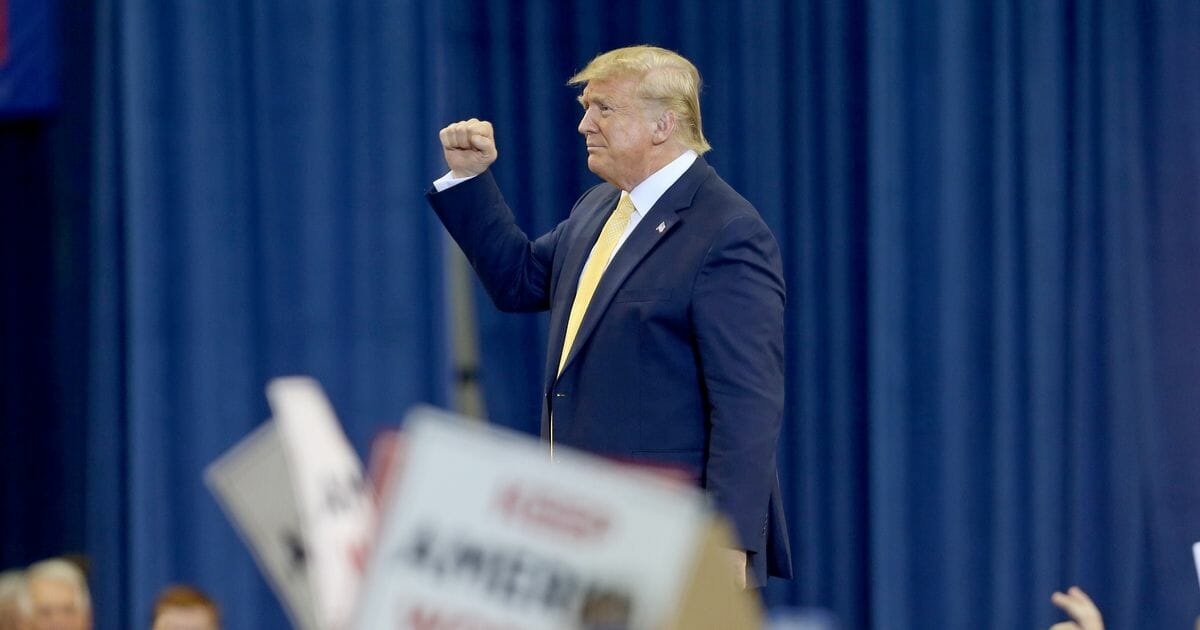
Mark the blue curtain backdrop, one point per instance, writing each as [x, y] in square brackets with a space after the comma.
[989, 213]
[257, 212]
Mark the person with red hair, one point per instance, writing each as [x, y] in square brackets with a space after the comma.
[183, 607]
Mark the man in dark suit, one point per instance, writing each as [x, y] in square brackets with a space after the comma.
[665, 293]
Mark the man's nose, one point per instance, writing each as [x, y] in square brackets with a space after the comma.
[585, 123]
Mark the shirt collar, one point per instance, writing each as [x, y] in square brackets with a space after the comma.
[647, 193]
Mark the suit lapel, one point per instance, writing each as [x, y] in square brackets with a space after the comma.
[568, 280]
[640, 243]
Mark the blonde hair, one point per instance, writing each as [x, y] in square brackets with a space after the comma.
[664, 77]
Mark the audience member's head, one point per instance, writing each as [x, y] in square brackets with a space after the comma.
[185, 608]
[15, 607]
[58, 592]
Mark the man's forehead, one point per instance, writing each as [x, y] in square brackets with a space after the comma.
[609, 87]
[40, 586]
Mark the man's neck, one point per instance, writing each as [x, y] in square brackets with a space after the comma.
[654, 164]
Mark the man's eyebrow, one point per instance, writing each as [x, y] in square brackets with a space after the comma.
[600, 100]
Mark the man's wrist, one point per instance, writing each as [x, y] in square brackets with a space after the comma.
[450, 180]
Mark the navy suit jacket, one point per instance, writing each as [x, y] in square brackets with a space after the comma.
[679, 358]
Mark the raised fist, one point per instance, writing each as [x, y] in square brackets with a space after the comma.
[469, 147]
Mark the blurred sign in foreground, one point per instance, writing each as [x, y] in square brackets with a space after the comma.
[480, 530]
[295, 491]
[253, 484]
[1196, 557]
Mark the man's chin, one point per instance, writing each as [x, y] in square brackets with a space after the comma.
[594, 165]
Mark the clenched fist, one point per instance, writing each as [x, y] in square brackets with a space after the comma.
[469, 147]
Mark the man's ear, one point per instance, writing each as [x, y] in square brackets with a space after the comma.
[664, 126]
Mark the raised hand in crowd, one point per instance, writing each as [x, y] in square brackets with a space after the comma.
[1082, 610]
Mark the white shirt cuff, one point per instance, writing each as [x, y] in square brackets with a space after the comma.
[449, 181]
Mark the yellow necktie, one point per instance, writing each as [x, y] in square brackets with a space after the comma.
[601, 253]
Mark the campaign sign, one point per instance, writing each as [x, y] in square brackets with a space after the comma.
[337, 510]
[254, 487]
[1196, 556]
[485, 532]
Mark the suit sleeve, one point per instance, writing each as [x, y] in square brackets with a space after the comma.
[514, 269]
[738, 319]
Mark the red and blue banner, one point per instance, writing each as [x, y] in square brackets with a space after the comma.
[28, 57]
[3, 33]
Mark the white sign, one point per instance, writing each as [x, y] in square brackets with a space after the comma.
[337, 512]
[484, 532]
[1196, 556]
[252, 485]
